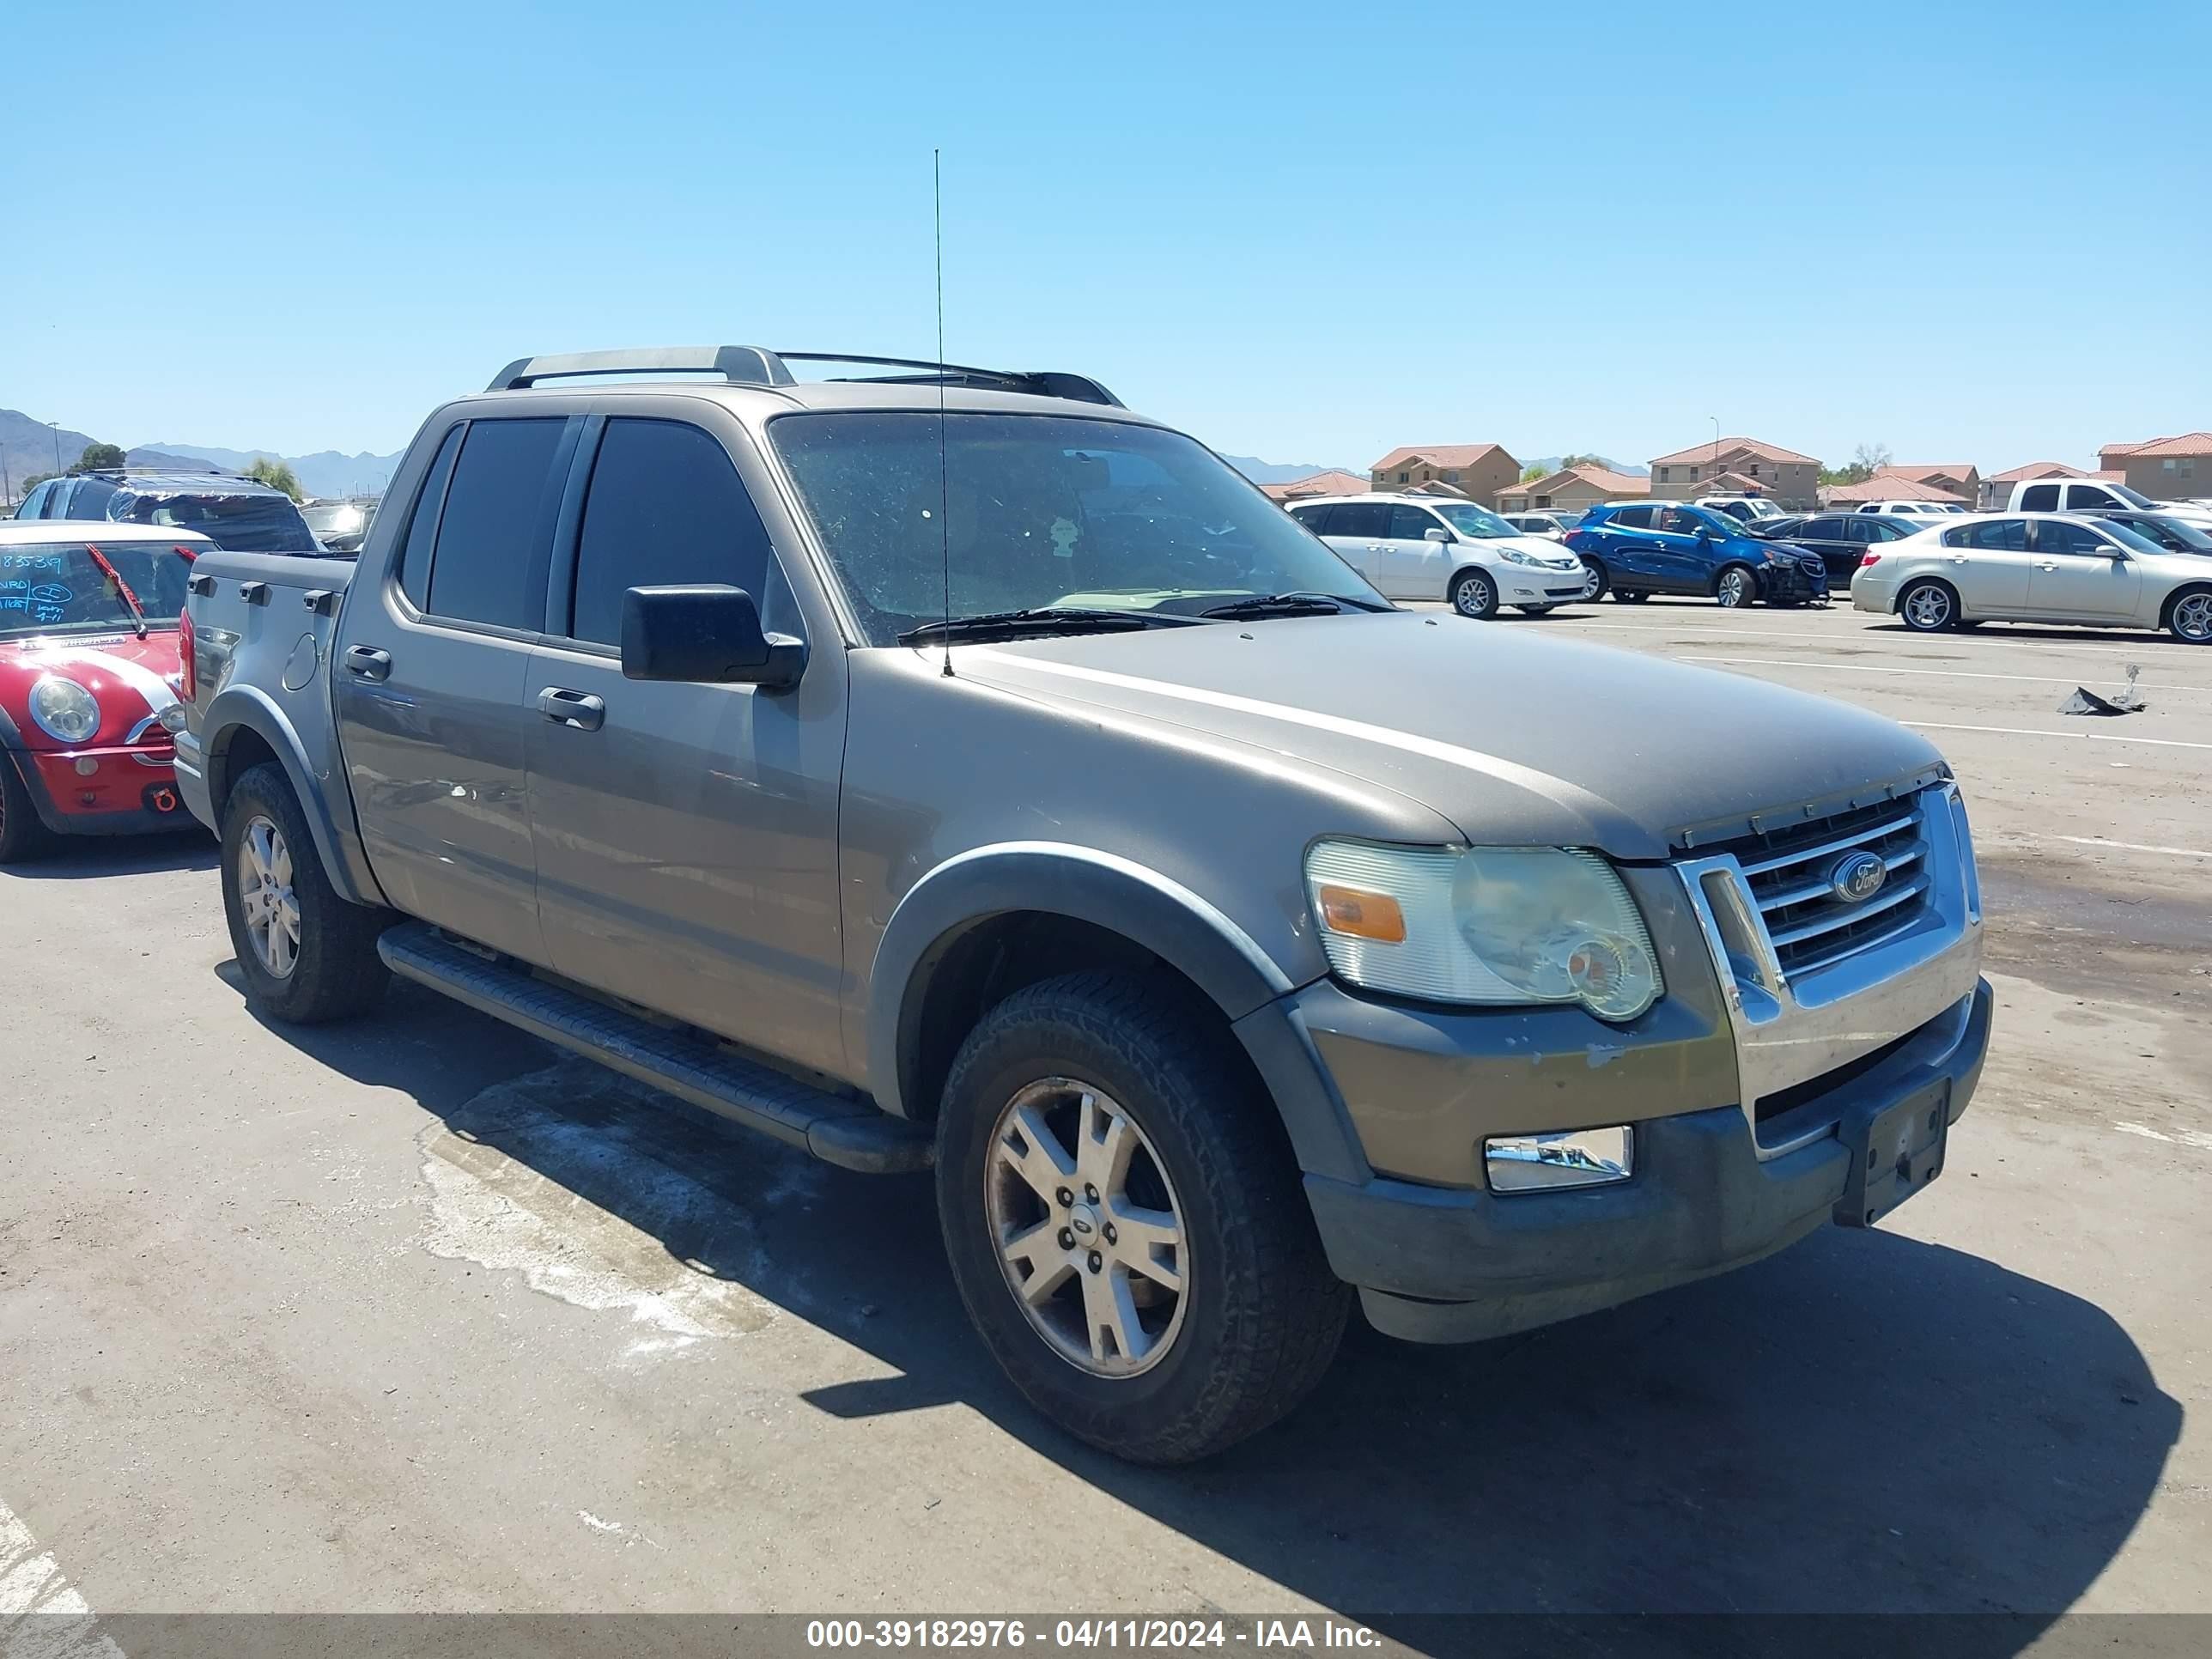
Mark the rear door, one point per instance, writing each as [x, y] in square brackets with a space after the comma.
[2078, 575]
[430, 677]
[1630, 546]
[686, 835]
[1988, 563]
[1356, 530]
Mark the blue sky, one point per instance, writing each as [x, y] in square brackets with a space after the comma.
[1278, 227]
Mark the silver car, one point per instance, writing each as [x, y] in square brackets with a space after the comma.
[2037, 567]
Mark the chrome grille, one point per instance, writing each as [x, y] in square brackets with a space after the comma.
[1788, 873]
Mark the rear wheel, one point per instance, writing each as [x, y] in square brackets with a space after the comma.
[1735, 587]
[306, 955]
[1928, 607]
[1534, 610]
[1126, 1223]
[1473, 594]
[2190, 615]
[1629, 596]
[21, 834]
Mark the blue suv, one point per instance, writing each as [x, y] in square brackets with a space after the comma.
[1637, 549]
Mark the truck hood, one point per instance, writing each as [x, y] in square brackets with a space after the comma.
[130, 678]
[1515, 738]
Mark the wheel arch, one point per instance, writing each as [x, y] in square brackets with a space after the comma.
[246, 728]
[987, 922]
[2182, 591]
[1928, 579]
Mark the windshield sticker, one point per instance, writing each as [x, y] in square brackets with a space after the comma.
[1064, 532]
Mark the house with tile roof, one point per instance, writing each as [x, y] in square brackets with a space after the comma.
[1738, 466]
[1960, 478]
[1887, 486]
[1571, 490]
[1332, 482]
[1478, 470]
[2164, 469]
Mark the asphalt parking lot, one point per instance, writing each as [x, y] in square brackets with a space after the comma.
[415, 1315]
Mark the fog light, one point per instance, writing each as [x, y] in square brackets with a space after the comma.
[173, 717]
[86, 766]
[1572, 1157]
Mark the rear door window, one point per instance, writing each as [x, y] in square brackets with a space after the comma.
[665, 506]
[489, 561]
[1998, 536]
[1312, 517]
[2039, 498]
[2082, 497]
[1366, 520]
[1633, 517]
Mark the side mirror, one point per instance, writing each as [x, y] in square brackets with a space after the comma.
[1436, 533]
[706, 633]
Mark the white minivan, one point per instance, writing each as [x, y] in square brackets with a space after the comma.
[1431, 547]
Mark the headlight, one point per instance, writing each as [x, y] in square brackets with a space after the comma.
[1515, 555]
[1483, 925]
[64, 710]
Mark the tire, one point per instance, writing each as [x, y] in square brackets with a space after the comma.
[1534, 610]
[23, 837]
[1473, 594]
[1595, 581]
[332, 970]
[1259, 1315]
[2189, 616]
[1736, 588]
[1629, 596]
[1929, 607]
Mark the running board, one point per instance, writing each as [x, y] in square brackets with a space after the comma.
[851, 1133]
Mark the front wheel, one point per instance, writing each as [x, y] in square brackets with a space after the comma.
[2191, 617]
[306, 955]
[1928, 607]
[1629, 596]
[1473, 594]
[1125, 1224]
[1593, 581]
[1736, 588]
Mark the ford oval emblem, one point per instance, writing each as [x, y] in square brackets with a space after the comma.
[1857, 877]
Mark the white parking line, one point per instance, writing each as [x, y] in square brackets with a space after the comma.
[2037, 732]
[40, 1612]
[1942, 673]
[2129, 846]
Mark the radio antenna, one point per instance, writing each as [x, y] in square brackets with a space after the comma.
[944, 475]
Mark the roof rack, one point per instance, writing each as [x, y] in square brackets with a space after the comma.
[757, 365]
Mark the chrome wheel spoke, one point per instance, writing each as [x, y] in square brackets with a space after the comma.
[1116, 1332]
[1037, 1255]
[1031, 1150]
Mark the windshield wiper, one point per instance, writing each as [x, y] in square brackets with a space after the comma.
[137, 611]
[1303, 602]
[1041, 619]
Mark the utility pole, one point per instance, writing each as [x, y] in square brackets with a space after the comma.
[1716, 420]
[57, 426]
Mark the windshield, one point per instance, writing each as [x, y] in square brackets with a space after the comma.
[336, 519]
[2130, 537]
[1476, 523]
[49, 587]
[2129, 495]
[1037, 511]
[240, 524]
[2188, 535]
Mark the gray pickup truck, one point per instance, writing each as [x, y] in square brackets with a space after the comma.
[947, 767]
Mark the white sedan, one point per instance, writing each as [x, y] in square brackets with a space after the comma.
[2036, 566]
[1433, 547]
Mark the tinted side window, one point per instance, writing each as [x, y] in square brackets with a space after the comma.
[422, 528]
[1312, 517]
[1411, 523]
[1861, 527]
[2039, 498]
[2057, 536]
[1999, 536]
[1368, 518]
[1633, 518]
[666, 505]
[489, 566]
[2078, 497]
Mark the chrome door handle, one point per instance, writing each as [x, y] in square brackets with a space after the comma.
[576, 709]
[2041, 565]
[1958, 558]
[369, 662]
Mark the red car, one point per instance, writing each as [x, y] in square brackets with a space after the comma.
[88, 662]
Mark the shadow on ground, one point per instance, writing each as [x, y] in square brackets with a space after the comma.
[79, 857]
[1864, 1424]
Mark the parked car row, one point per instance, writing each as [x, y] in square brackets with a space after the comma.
[238, 514]
[1428, 547]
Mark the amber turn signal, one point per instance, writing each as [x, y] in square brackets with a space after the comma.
[1362, 916]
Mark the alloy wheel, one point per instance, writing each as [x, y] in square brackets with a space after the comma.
[1735, 589]
[1928, 607]
[1593, 582]
[2192, 618]
[266, 903]
[1087, 1228]
[1472, 596]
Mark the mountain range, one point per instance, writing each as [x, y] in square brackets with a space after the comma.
[29, 449]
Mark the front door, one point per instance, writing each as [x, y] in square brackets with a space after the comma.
[686, 835]
[2078, 574]
[429, 682]
[1415, 567]
[1684, 552]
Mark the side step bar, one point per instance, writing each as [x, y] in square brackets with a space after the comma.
[849, 1133]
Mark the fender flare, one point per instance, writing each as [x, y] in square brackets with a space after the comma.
[249, 708]
[1122, 896]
